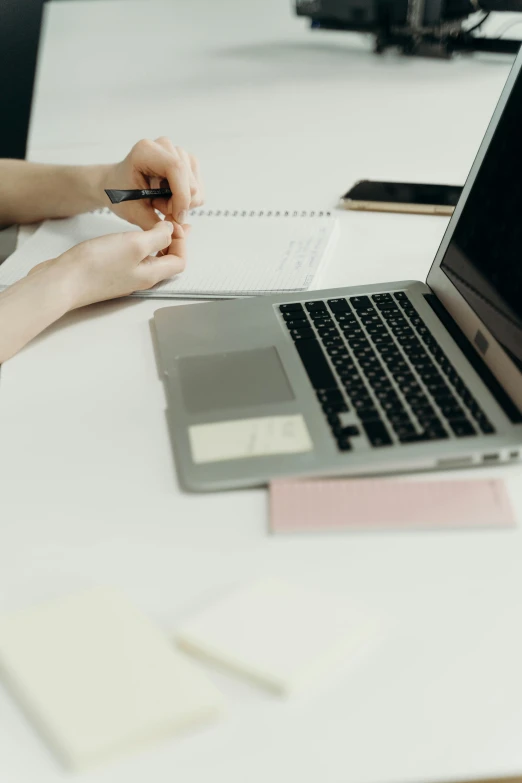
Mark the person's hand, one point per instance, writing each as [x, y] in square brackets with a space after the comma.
[116, 264]
[154, 164]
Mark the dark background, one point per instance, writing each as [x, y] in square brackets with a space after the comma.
[20, 22]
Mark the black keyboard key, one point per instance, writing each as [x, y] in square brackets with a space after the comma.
[314, 307]
[348, 375]
[315, 364]
[321, 315]
[436, 386]
[426, 369]
[404, 378]
[302, 334]
[451, 410]
[335, 407]
[377, 329]
[362, 345]
[360, 302]
[379, 385]
[417, 400]
[361, 401]
[417, 357]
[337, 351]
[410, 387]
[423, 437]
[397, 418]
[293, 315]
[354, 388]
[325, 333]
[369, 414]
[293, 307]
[439, 433]
[380, 298]
[343, 443]
[426, 411]
[369, 315]
[346, 318]
[300, 323]
[397, 322]
[375, 374]
[391, 312]
[462, 428]
[338, 305]
[390, 351]
[371, 320]
[385, 393]
[351, 431]
[330, 395]
[333, 420]
[377, 433]
[404, 431]
[370, 362]
[409, 340]
[341, 362]
[381, 339]
[333, 340]
[390, 407]
[401, 297]
[430, 422]
[323, 323]
[472, 405]
[485, 425]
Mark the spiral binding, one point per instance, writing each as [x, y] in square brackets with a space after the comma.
[243, 213]
[258, 213]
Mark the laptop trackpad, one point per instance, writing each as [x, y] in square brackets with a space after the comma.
[233, 380]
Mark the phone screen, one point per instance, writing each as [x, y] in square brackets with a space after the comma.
[405, 193]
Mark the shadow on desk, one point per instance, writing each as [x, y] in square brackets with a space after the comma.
[309, 60]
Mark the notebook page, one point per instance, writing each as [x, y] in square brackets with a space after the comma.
[251, 255]
[234, 256]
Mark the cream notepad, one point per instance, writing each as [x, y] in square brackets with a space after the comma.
[97, 678]
[283, 636]
[229, 253]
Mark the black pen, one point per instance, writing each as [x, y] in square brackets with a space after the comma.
[117, 196]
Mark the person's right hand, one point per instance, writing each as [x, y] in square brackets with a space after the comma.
[117, 264]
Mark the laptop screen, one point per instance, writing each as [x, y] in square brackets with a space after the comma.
[484, 257]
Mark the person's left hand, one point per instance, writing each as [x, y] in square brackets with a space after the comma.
[154, 164]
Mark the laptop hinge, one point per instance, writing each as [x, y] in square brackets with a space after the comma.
[487, 377]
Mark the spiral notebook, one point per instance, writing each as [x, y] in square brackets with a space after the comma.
[229, 252]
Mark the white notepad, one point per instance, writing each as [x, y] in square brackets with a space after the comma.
[229, 253]
[283, 636]
[97, 678]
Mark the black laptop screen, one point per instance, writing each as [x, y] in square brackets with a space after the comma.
[484, 258]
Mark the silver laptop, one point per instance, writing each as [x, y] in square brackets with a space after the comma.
[379, 379]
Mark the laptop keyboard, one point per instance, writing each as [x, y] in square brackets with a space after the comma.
[374, 356]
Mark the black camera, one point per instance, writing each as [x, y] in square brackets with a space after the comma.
[420, 27]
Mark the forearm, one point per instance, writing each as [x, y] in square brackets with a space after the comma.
[30, 192]
[31, 305]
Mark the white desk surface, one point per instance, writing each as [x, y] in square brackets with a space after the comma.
[279, 116]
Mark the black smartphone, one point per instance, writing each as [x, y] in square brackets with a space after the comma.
[402, 197]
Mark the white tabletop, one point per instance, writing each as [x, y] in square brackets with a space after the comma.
[279, 116]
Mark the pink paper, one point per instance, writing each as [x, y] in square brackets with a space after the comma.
[369, 504]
